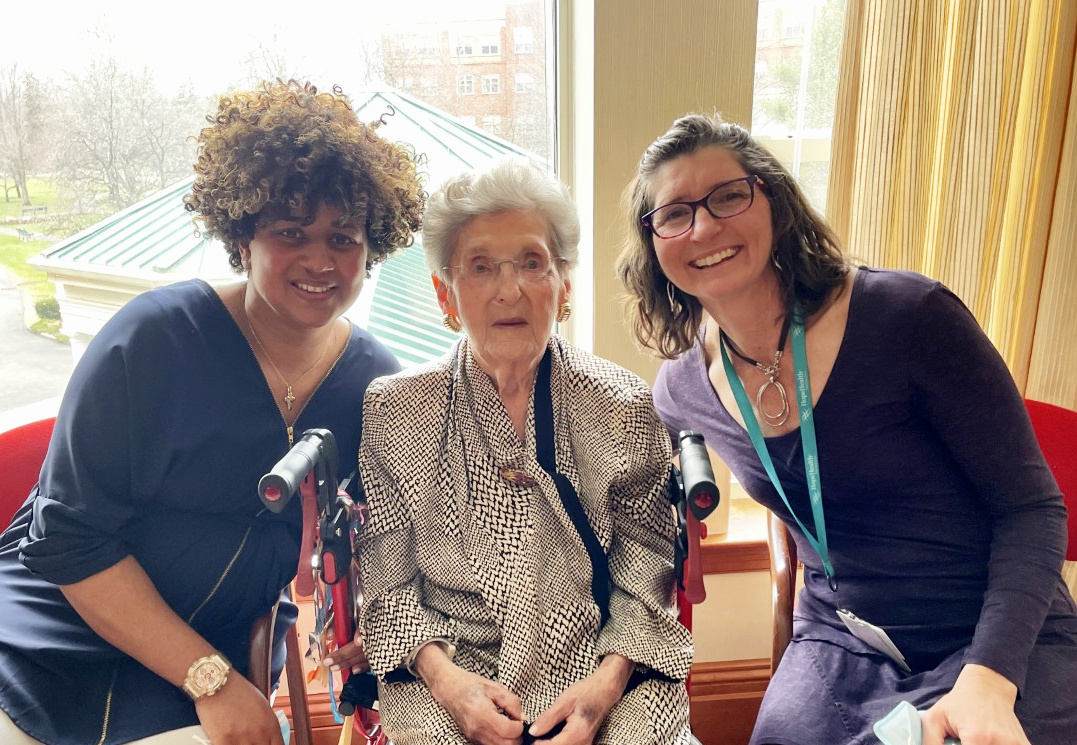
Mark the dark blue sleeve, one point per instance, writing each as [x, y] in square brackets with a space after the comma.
[85, 486]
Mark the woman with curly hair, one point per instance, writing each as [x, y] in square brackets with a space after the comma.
[132, 574]
[870, 412]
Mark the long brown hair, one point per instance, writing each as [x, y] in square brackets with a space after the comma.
[806, 258]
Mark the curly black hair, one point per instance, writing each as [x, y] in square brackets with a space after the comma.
[285, 146]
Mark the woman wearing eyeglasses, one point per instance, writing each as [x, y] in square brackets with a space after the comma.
[517, 566]
[871, 413]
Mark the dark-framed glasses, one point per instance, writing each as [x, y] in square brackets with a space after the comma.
[478, 271]
[727, 199]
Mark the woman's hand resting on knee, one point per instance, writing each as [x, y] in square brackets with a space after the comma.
[238, 714]
[486, 712]
[583, 706]
[978, 710]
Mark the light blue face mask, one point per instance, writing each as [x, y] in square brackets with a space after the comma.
[902, 727]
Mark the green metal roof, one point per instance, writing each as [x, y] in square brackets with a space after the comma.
[156, 238]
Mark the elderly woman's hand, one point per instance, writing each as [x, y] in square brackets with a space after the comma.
[486, 712]
[583, 706]
[978, 710]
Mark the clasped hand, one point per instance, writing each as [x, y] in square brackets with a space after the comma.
[488, 713]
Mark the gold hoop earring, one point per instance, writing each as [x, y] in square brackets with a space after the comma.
[451, 323]
[564, 311]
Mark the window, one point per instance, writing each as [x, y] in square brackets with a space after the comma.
[525, 83]
[793, 117]
[523, 38]
[445, 56]
[428, 46]
[764, 29]
[527, 125]
[792, 25]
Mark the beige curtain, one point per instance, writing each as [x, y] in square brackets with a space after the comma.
[955, 155]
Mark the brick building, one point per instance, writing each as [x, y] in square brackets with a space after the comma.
[489, 69]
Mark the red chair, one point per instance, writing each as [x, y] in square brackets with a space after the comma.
[1056, 431]
[22, 451]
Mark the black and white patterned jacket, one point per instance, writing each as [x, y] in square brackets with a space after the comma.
[455, 549]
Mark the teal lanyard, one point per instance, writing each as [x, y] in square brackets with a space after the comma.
[807, 439]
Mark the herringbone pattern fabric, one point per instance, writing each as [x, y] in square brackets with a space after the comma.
[455, 549]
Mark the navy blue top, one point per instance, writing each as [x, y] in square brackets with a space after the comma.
[165, 428]
[945, 525]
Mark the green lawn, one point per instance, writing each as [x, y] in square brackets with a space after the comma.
[13, 256]
[42, 192]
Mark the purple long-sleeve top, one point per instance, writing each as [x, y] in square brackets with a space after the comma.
[944, 524]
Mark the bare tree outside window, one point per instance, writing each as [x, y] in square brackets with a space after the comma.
[102, 115]
[23, 143]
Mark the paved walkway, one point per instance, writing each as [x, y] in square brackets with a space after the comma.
[32, 368]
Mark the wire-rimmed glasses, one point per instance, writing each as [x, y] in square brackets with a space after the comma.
[727, 199]
[479, 271]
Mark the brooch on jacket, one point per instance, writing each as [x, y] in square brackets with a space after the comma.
[516, 476]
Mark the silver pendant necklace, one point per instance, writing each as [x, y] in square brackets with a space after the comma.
[771, 371]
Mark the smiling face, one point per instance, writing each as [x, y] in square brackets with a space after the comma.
[717, 261]
[304, 271]
[509, 318]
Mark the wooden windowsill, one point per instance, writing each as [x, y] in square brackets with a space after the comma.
[744, 547]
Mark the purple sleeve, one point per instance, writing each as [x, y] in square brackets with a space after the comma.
[664, 403]
[962, 387]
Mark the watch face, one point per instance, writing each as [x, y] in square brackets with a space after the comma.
[207, 676]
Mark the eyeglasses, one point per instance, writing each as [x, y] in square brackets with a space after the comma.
[479, 271]
[727, 199]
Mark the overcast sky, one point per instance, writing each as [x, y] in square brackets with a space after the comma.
[206, 44]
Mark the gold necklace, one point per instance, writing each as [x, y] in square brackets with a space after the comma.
[289, 395]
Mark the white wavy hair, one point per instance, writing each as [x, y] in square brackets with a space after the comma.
[507, 184]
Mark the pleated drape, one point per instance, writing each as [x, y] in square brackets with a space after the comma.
[955, 154]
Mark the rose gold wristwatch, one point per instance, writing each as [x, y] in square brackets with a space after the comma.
[206, 676]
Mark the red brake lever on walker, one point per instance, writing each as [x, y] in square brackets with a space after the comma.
[701, 494]
[308, 467]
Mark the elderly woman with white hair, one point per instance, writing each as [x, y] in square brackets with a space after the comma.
[518, 560]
